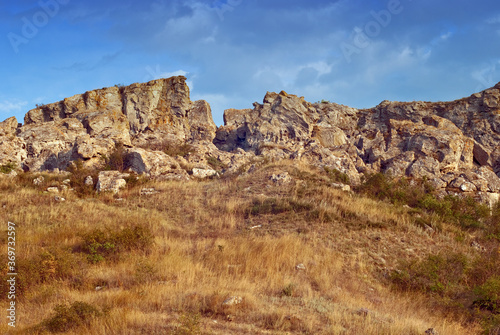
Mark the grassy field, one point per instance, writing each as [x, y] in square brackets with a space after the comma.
[299, 258]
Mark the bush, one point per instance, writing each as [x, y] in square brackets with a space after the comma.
[441, 274]
[488, 295]
[337, 176]
[101, 244]
[7, 168]
[68, 317]
[463, 211]
[116, 159]
[78, 175]
[215, 163]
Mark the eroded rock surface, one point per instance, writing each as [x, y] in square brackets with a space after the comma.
[453, 145]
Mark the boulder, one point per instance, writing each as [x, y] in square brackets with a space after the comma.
[155, 164]
[111, 181]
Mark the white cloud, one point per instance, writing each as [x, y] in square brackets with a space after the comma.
[493, 20]
[8, 108]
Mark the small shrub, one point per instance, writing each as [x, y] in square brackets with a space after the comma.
[337, 176]
[78, 175]
[215, 163]
[69, 317]
[288, 291]
[7, 168]
[101, 244]
[488, 295]
[190, 325]
[116, 159]
[435, 274]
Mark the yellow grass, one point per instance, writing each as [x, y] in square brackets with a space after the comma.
[208, 246]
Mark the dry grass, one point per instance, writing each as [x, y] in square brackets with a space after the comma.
[222, 238]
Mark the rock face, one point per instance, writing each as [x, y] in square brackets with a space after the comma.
[89, 125]
[454, 145]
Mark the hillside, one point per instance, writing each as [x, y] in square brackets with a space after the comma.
[135, 214]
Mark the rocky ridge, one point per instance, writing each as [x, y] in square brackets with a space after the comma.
[453, 144]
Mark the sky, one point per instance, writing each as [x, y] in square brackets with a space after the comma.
[352, 52]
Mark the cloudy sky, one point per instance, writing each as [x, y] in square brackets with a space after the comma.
[353, 52]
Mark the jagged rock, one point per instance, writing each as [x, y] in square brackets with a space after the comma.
[111, 181]
[454, 145]
[53, 190]
[8, 127]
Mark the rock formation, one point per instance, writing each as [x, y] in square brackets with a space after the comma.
[453, 144]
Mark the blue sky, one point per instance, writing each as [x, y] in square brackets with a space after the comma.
[352, 52]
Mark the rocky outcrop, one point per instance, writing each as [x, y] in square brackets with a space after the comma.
[453, 145]
[87, 126]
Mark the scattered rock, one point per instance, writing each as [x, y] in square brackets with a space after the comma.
[148, 191]
[300, 267]
[204, 173]
[89, 181]
[343, 187]
[431, 331]
[281, 179]
[53, 190]
[232, 301]
[477, 246]
[38, 181]
[59, 199]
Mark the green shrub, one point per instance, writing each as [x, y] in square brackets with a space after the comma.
[488, 295]
[78, 175]
[215, 163]
[439, 274]
[337, 176]
[101, 244]
[69, 317]
[7, 168]
[116, 159]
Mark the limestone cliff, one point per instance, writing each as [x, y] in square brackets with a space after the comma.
[454, 145]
